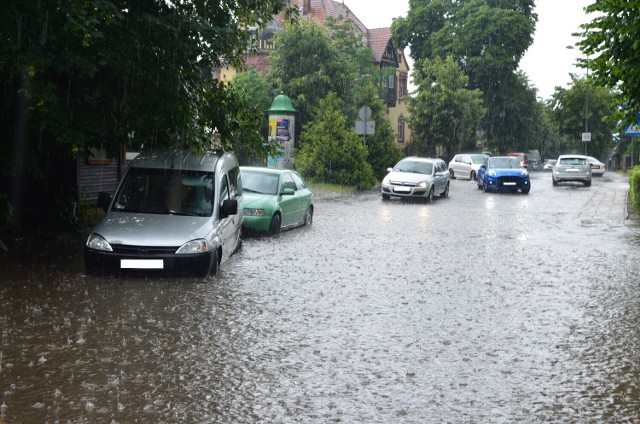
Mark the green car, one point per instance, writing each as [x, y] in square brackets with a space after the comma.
[274, 199]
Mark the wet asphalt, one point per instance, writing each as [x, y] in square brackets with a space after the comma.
[477, 308]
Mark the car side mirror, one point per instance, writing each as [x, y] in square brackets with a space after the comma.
[288, 191]
[389, 169]
[104, 199]
[229, 207]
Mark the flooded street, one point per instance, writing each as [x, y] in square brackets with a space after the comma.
[477, 308]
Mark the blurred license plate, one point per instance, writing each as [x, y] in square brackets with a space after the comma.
[402, 189]
[573, 170]
[509, 183]
[141, 263]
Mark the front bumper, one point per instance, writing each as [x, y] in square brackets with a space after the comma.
[405, 191]
[257, 223]
[508, 183]
[162, 260]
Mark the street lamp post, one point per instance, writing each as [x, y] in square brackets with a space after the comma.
[586, 136]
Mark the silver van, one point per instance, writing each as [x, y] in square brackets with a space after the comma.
[174, 213]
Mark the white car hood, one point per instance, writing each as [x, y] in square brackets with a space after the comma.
[138, 229]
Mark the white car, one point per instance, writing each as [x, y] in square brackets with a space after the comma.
[572, 168]
[416, 178]
[597, 168]
[466, 165]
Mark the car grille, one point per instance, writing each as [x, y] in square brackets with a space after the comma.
[509, 179]
[143, 250]
[401, 183]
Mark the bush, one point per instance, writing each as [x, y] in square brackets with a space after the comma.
[634, 181]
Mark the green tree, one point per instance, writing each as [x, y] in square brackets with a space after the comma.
[381, 146]
[582, 105]
[78, 74]
[307, 66]
[256, 92]
[487, 38]
[610, 42]
[330, 151]
[444, 112]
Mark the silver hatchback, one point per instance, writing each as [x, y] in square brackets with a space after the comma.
[418, 178]
[572, 168]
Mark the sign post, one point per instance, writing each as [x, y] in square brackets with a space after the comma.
[365, 126]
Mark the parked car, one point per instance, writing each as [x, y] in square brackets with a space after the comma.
[466, 165]
[275, 199]
[174, 213]
[534, 160]
[572, 168]
[597, 168]
[548, 164]
[418, 178]
[523, 159]
[503, 173]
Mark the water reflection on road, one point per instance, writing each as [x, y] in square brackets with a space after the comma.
[477, 308]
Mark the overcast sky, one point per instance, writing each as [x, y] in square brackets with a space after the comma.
[547, 63]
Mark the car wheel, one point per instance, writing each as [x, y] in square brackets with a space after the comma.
[308, 218]
[526, 191]
[430, 196]
[484, 186]
[555, 183]
[445, 193]
[587, 183]
[472, 176]
[385, 197]
[453, 177]
[215, 263]
[274, 228]
[479, 185]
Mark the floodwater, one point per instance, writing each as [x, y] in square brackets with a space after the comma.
[477, 308]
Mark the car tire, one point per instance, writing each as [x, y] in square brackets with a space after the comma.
[274, 227]
[484, 186]
[386, 197]
[445, 193]
[430, 196]
[526, 191]
[479, 185]
[555, 183]
[587, 183]
[215, 263]
[472, 176]
[308, 217]
[451, 173]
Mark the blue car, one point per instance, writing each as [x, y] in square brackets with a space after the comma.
[503, 173]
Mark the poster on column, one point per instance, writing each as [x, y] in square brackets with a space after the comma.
[279, 131]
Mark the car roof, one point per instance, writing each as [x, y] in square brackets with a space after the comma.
[420, 158]
[278, 171]
[177, 158]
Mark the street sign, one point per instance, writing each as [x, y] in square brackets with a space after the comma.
[586, 136]
[365, 127]
[633, 130]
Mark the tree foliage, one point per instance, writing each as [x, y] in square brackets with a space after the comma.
[585, 107]
[444, 112]
[488, 39]
[92, 72]
[610, 42]
[330, 151]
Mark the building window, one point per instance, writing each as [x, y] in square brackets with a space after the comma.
[402, 85]
[401, 129]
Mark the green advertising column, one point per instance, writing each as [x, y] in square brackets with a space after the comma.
[282, 125]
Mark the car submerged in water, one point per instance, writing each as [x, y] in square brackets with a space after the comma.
[503, 173]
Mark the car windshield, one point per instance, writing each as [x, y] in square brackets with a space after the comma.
[478, 159]
[573, 161]
[165, 191]
[510, 162]
[260, 182]
[415, 166]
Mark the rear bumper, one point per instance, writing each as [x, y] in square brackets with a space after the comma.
[111, 263]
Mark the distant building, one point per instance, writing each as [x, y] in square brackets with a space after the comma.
[385, 55]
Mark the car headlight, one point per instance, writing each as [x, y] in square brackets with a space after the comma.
[422, 184]
[253, 212]
[385, 181]
[524, 172]
[193, 246]
[491, 173]
[97, 242]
